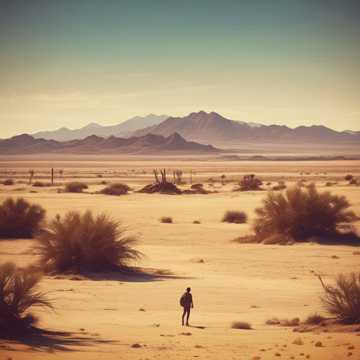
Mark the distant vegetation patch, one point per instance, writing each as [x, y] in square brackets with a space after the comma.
[249, 183]
[75, 187]
[8, 182]
[116, 189]
[166, 220]
[235, 217]
[241, 325]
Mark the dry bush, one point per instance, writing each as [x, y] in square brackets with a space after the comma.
[79, 242]
[166, 220]
[116, 189]
[299, 214]
[20, 219]
[242, 325]
[273, 321]
[40, 184]
[18, 294]
[280, 186]
[348, 177]
[75, 187]
[314, 319]
[235, 217]
[196, 222]
[343, 299]
[8, 182]
[283, 322]
[249, 182]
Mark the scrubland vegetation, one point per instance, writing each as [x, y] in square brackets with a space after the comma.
[20, 219]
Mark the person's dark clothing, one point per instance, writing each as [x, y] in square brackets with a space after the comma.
[187, 304]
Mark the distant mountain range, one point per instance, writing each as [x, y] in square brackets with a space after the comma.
[123, 129]
[147, 144]
[207, 128]
[215, 129]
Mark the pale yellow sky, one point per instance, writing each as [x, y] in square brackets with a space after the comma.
[70, 63]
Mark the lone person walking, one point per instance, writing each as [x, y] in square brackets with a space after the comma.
[186, 301]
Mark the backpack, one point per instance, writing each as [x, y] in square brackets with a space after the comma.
[182, 300]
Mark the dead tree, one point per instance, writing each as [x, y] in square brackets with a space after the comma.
[178, 177]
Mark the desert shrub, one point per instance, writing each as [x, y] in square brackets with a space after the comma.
[20, 219]
[314, 319]
[18, 294]
[8, 182]
[166, 220]
[116, 189]
[75, 187]
[343, 299]
[348, 177]
[299, 214]
[236, 217]
[353, 182]
[273, 321]
[196, 222]
[283, 322]
[250, 182]
[40, 184]
[242, 325]
[280, 186]
[79, 242]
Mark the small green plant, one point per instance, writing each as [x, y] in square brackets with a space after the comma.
[86, 242]
[20, 219]
[18, 295]
[235, 217]
[75, 187]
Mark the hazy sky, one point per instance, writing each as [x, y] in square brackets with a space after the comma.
[68, 63]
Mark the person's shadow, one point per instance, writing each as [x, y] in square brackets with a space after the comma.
[197, 327]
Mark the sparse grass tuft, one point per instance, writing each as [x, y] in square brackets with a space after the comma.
[8, 182]
[242, 325]
[236, 217]
[40, 184]
[116, 189]
[283, 322]
[18, 294]
[166, 220]
[75, 187]
[343, 299]
[20, 219]
[300, 214]
[314, 319]
[86, 242]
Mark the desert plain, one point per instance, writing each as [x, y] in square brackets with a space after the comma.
[114, 316]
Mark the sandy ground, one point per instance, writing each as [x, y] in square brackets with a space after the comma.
[230, 281]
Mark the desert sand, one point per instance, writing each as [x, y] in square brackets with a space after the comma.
[106, 315]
